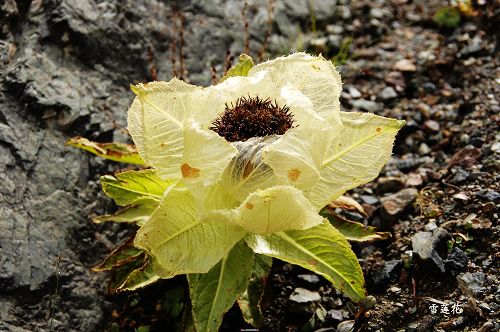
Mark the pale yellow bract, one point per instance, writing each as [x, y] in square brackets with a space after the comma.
[225, 190]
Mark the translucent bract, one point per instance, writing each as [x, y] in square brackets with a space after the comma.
[225, 191]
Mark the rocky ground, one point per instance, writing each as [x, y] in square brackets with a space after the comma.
[65, 67]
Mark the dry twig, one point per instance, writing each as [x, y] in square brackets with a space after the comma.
[246, 36]
[269, 28]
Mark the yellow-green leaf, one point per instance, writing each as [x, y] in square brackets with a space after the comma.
[179, 241]
[125, 153]
[245, 63]
[321, 249]
[139, 278]
[121, 273]
[353, 231]
[214, 293]
[130, 187]
[120, 256]
[137, 213]
[249, 301]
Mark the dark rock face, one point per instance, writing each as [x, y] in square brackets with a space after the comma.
[390, 271]
[472, 284]
[65, 70]
[456, 262]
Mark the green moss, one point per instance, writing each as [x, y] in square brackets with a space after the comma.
[447, 17]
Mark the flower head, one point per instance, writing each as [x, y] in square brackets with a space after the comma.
[252, 117]
[259, 154]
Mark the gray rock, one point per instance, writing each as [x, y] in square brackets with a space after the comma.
[302, 295]
[335, 29]
[70, 75]
[424, 149]
[336, 314]
[335, 41]
[488, 195]
[387, 93]
[310, 278]
[376, 13]
[471, 49]
[370, 200]
[393, 206]
[353, 92]
[430, 247]
[386, 274]
[456, 261]
[472, 284]
[431, 125]
[430, 226]
[487, 327]
[345, 326]
[366, 105]
[460, 176]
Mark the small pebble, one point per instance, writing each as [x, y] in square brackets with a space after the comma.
[302, 295]
[405, 65]
[353, 92]
[431, 125]
[495, 147]
[387, 93]
[424, 149]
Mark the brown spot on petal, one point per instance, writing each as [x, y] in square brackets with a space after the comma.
[248, 170]
[378, 130]
[293, 174]
[316, 67]
[249, 205]
[189, 172]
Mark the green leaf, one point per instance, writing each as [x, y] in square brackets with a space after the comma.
[321, 249]
[143, 328]
[173, 301]
[122, 255]
[121, 273]
[179, 241]
[138, 278]
[214, 293]
[137, 214]
[130, 187]
[249, 301]
[245, 63]
[353, 231]
[187, 321]
[125, 153]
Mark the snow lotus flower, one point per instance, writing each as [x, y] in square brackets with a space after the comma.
[256, 158]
